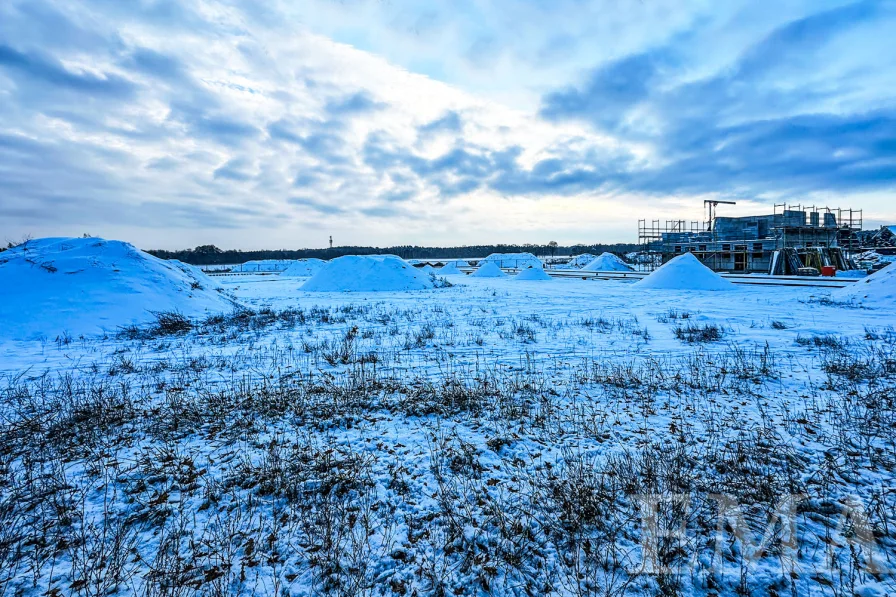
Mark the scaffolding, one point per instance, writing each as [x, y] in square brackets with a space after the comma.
[751, 243]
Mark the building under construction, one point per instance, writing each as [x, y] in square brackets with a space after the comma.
[794, 240]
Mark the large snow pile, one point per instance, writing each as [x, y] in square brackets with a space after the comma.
[85, 286]
[578, 262]
[877, 290]
[532, 273]
[449, 269]
[515, 260]
[303, 267]
[197, 274]
[607, 262]
[264, 265]
[685, 272]
[368, 273]
[488, 269]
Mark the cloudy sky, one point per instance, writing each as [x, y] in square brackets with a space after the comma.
[173, 123]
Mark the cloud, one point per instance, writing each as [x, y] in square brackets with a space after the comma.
[316, 205]
[450, 122]
[744, 129]
[382, 211]
[236, 169]
[224, 120]
[156, 64]
[223, 129]
[610, 92]
[356, 103]
[35, 68]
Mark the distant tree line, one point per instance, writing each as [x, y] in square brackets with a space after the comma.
[212, 255]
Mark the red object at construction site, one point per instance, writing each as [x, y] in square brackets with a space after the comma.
[828, 270]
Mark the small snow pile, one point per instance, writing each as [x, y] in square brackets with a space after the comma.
[685, 272]
[450, 269]
[607, 262]
[368, 273]
[532, 273]
[514, 260]
[264, 265]
[877, 290]
[578, 262]
[428, 269]
[85, 286]
[488, 269]
[303, 268]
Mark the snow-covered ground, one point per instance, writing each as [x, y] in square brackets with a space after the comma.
[84, 286]
[487, 438]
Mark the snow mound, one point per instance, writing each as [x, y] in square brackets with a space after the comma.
[85, 286]
[685, 272]
[515, 260]
[607, 262]
[488, 269]
[532, 273]
[368, 273]
[197, 274]
[427, 269]
[450, 269]
[578, 262]
[303, 267]
[877, 290]
[264, 265]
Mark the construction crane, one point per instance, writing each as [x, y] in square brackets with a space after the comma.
[710, 205]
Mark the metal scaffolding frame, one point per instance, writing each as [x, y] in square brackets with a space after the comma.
[660, 240]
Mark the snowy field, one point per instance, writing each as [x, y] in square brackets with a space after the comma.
[494, 437]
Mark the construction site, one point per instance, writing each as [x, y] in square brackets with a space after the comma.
[793, 240]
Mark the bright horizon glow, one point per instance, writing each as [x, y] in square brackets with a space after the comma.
[171, 124]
